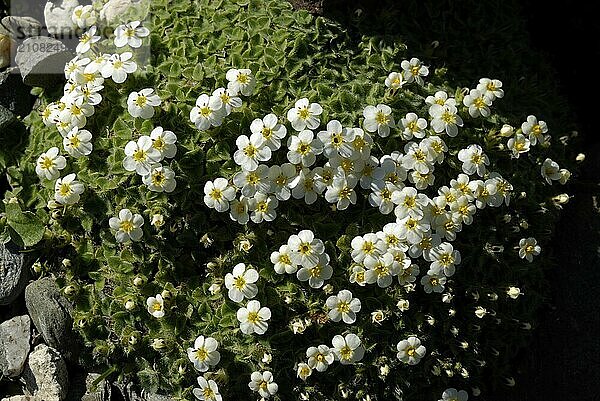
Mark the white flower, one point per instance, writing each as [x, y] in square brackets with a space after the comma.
[410, 351]
[491, 88]
[478, 103]
[218, 194]
[241, 283]
[281, 178]
[140, 156]
[229, 100]
[130, 34]
[303, 148]
[84, 16]
[208, 391]
[519, 144]
[382, 196]
[410, 203]
[252, 182]
[412, 126]
[88, 93]
[343, 307]
[127, 226]
[337, 140]
[381, 270]
[77, 143]
[263, 207]
[270, 129]
[164, 141]
[207, 112]
[118, 66]
[253, 318]
[240, 81]
[320, 357]
[348, 349]
[96, 64]
[141, 104]
[303, 371]
[204, 354]
[451, 394]
[239, 210]
[156, 306]
[263, 384]
[367, 247]
[49, 164]
[378, 119]
[444, 258]
[514, 292]
[86, 40]
[251, 151]
[341, 192]
[550, 170]
[305, 248]
[417, 158]
[67, 190]
[528, 248]
[474, 160]
[414, 70]
[445, 118]
[534, 129]
[394, 80]
[408, 274]
[282, 261]
[433, 281]
[304, 115]
[160, 179]
[317, 274]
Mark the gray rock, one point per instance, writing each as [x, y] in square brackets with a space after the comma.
[23, 398]
[20, 28]
[51, 315]
[14, 94]
[6, 118]
[42, 60]
[101, 392]
[14, 272]
[14, 345]
[45, 374]
[156, 397]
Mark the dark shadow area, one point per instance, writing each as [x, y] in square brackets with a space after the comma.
[544, 56]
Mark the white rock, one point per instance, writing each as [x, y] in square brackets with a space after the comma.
[46, 374]
[22, 398]
[58, 17]
[117, 11]
[14, 345]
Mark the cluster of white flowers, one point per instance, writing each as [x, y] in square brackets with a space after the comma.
[210, 110]
[86, 75]
[204, 355]
[304, 255]
[346, 349]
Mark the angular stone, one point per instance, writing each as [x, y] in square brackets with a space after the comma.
[20, 28]
[14, 272]
[102, 391]
[14, 94]
[14, 345]
[51, 315]
[42, 60]
[46, 375]
[5, 50]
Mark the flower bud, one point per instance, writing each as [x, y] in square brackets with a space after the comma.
[129, 305]
[139, 281]
[158, 344]
[507, 130]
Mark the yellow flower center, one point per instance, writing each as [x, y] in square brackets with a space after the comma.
[127, 226]
[337, 139]
[262, 207]
[266, 132]
[243, 78]
[345, 193]
[304, 248]
[47, 163]
[225, 98]
[381, 118]
[118, 64]
[315, 271]
[201, 354]
[253, 178]
[141, 100]
[446, 259]
[65, 189]
[139, 155]
[346, 352]
[304, 113]
[159, 144]
[250, 150]
[74, 141]
[158, 178]
[130, 32]
[216, 194]
[479, 103]
[415, 70]
[343, 307]
[304, 148]
[411, 351]
[285, 259]
[208, 393]
[253, 317]
[239, 282]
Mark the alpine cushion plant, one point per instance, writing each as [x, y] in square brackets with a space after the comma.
[366, 224]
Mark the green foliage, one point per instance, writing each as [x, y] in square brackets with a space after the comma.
[292, 55]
